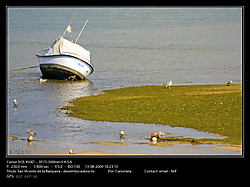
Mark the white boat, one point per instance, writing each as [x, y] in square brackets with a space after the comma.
[65, 59]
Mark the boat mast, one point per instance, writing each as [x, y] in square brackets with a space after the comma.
[69, 23]
[81, 31]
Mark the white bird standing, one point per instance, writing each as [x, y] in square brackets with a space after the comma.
[71, 151]
[15, 103]
[154, 139]
[122, 133]
[30, 138]
[168, 84]
[230, 83]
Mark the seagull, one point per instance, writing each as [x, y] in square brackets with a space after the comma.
[122, 134]
[30, 138]
[71, 151]
[154, 139]
[31, 132]
[43, 80]
[163, 133]
[230, 83]
[168, 84]
[15, 103]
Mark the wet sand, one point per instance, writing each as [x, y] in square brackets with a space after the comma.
[237, 148]
[233, 148]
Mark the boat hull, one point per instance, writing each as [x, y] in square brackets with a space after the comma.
[63, 66]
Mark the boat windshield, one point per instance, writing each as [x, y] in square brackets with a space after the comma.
[55, 41]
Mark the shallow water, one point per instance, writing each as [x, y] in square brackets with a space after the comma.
[129, 47]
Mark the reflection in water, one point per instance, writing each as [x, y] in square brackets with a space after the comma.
[68, 90]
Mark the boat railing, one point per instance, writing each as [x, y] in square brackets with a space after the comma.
[43, 51]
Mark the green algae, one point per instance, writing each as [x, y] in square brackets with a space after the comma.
[212, 108]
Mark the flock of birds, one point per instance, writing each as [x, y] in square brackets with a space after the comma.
[154, 135]
[154, 138]
[122, 138]
[168, 85]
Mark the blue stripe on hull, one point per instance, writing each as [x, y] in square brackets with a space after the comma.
[63, 66]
